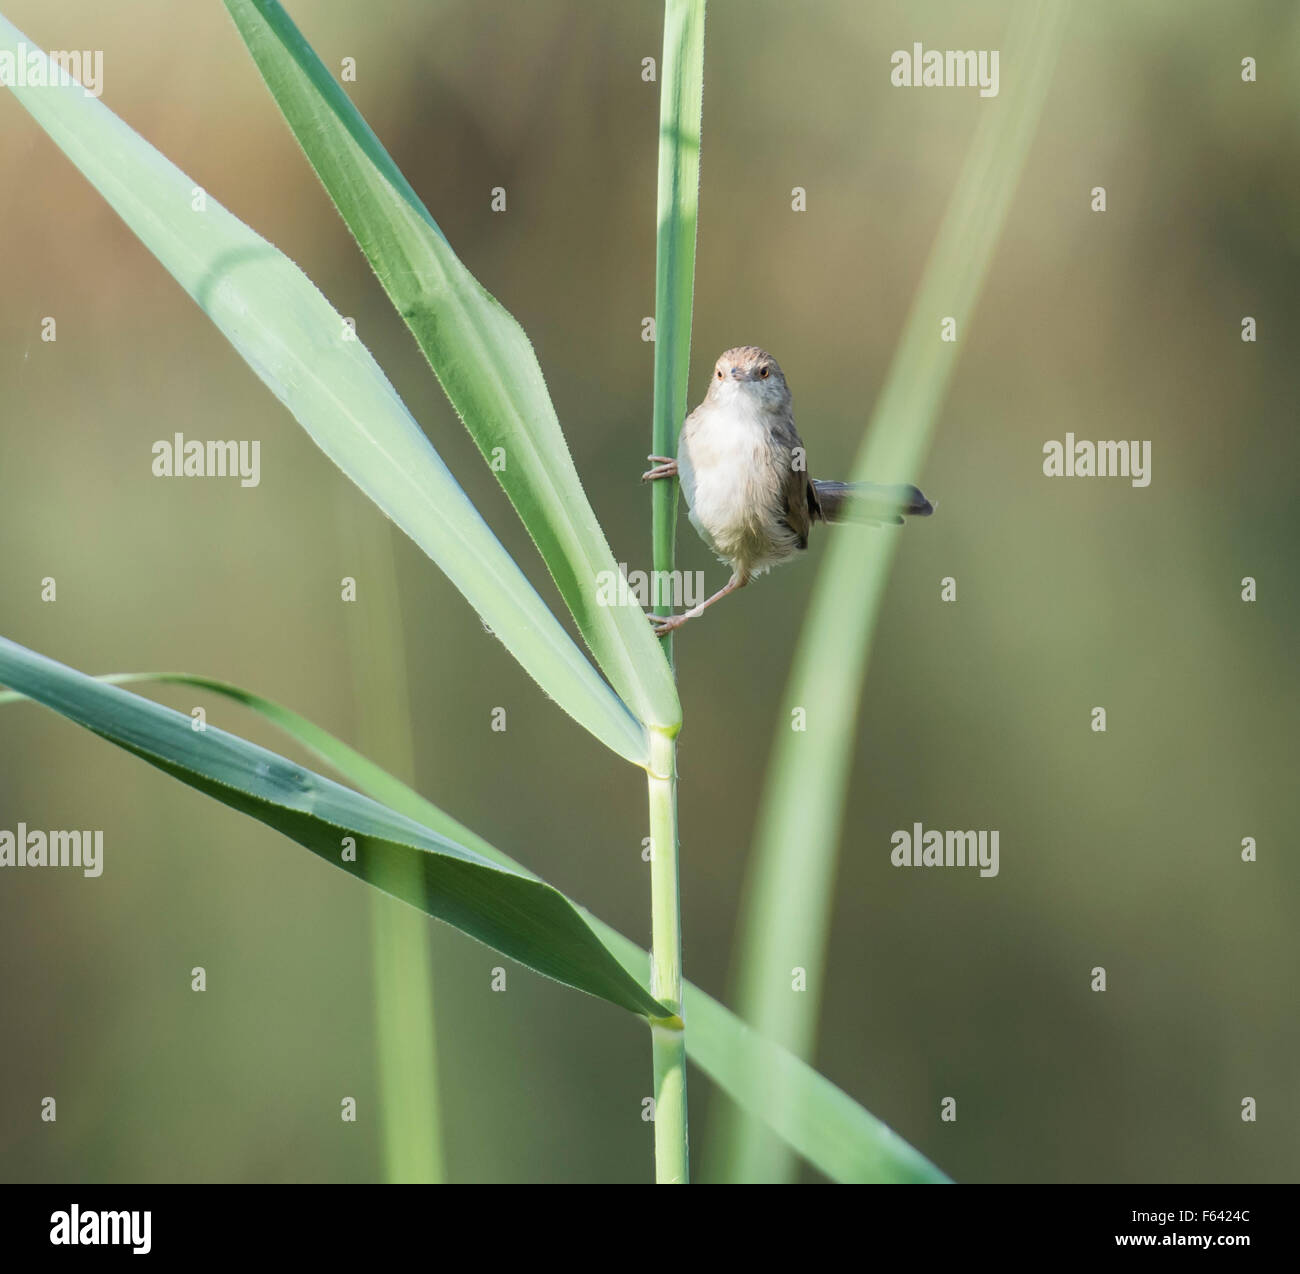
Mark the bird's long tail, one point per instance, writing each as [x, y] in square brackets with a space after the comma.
[870, 502]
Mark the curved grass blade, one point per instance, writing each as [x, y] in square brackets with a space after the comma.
[786, 914]
[292, 337]
[511, 911]
[817, 1120]
[832, 1131]
[477, 350]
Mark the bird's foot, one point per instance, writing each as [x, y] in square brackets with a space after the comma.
[665, 624]
[665, 467]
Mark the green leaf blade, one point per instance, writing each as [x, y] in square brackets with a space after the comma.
[509, 910]
[820, 1121]
[789, 888]
[479, 353]
[295, 341]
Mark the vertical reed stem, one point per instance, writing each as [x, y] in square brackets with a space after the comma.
[680, 105]
[668, 1034]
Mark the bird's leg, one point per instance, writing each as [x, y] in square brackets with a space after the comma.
[665, 467]
[664, 624]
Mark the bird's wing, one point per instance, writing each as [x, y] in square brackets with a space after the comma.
[802, 507]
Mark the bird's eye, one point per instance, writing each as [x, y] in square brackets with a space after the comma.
[764, 372]
[719, 373]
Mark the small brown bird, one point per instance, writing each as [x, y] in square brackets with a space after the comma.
[744, 474]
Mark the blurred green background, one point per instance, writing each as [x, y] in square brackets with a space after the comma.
[1121, 850]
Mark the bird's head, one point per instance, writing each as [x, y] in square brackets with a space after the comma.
[752, 372]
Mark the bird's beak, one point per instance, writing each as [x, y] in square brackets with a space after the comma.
[738, 373]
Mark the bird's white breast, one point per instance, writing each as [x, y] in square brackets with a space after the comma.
[725, 465]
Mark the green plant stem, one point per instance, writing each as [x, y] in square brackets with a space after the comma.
[668, 1034]
[680, 105]
[681, 102]
[402, 960]
[411, 1124]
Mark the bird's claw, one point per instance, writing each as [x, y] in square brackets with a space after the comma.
[664, 467]
[665, 624]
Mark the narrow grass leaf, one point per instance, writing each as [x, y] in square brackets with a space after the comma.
[786, 913]
[509, 910]
[821, 1122]
[292, 337]
[480, 354]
